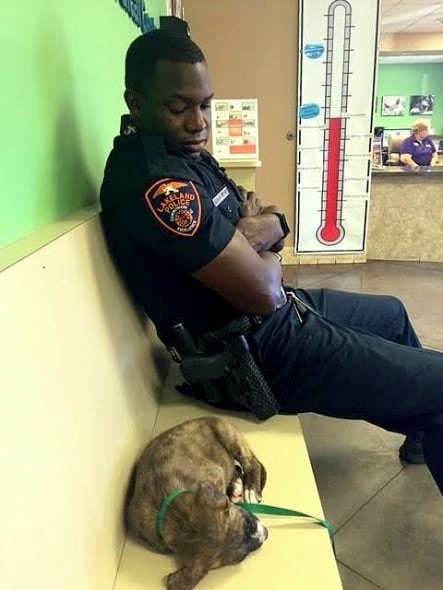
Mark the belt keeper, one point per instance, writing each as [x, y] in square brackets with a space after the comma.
[293, 299]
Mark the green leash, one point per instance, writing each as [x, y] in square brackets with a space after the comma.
[277, 511]
[254, 508]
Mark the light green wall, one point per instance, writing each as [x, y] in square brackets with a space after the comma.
[61, 67]
[407, 80]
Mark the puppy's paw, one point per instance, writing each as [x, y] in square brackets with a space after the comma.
[254, 478]
[252, 497]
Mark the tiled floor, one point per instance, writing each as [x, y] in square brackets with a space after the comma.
[388, 516]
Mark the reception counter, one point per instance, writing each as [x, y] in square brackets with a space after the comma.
[406, 214]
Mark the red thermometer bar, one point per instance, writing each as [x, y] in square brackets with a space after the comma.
[338, 40]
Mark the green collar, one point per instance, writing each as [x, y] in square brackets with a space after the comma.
[162, 510]
[254, 508]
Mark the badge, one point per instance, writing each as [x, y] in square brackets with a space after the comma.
[176, 205]
[129, 129]
[221, 196]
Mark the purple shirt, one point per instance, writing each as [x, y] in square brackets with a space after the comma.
[421, 152]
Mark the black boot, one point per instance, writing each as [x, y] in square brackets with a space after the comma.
[411, 450]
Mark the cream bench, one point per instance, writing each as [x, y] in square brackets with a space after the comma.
[298, 553]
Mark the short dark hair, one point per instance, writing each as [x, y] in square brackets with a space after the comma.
[147, 50]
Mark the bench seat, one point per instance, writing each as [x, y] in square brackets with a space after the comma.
[297, 554]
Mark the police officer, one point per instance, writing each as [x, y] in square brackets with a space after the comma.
[197, 250]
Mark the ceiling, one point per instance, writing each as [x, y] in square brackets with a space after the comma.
[411, 16]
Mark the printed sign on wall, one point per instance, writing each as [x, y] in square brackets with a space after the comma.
[235, 129]
[337, 61]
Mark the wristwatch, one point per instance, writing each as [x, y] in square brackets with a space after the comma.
[283, 223]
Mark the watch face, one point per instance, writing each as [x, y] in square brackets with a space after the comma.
[284, 224]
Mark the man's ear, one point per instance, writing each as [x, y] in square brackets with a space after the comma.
[132, 99]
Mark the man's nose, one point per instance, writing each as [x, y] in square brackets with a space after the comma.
[195, 120]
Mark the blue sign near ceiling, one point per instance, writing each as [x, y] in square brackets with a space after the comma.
[136, 10]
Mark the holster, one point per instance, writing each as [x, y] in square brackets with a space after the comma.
[220, 369]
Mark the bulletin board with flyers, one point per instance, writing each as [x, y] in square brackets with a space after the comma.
[235, 129]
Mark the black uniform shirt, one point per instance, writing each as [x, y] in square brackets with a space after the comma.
[165, 216]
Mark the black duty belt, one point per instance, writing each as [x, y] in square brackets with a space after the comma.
[244, 324]
[220, 368]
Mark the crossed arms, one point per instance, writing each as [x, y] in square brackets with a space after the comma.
[247, 273]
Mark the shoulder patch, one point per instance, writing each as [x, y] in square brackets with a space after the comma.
[176, 205]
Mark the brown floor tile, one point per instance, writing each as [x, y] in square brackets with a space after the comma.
[352, 460]
[353, 581]
[396, 540]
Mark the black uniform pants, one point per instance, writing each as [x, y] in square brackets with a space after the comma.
[359, 358]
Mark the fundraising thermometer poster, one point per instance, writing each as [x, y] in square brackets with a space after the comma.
[337, 67]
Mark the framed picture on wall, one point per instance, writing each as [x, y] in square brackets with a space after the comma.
[393, 106]
[421, 104]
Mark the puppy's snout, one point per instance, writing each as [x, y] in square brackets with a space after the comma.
[261, 533]
[257, 534]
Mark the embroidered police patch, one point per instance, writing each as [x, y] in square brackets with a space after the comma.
[176, 205]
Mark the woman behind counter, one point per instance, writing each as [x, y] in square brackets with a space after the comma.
[418, 149]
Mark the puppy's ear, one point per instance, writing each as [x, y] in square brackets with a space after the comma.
[209, 496]
[188, 576]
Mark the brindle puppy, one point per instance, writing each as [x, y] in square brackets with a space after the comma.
[203, 527]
